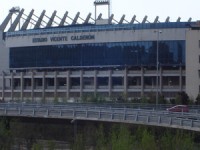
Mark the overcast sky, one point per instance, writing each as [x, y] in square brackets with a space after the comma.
[152, 8]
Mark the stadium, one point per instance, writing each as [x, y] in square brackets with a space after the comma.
[69, 60]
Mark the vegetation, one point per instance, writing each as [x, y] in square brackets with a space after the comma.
[94, 136]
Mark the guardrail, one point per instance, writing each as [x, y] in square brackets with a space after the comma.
[188, 121]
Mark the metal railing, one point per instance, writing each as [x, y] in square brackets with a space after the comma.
[188, 121]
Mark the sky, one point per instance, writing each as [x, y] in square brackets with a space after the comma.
[152, 8]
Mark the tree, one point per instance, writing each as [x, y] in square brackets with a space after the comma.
[182, 98]
[148, 141]
[79, 143]
[101, 139]
[6, 139]
[197, 102]
[121, 138]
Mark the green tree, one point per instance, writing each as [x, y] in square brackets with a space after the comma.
[37, 146]
[182, 98]
[79, 143]
[197, 102]
[51, 145]
[166, 141]
[121, 138]
[6, 137]
[148, 141]
[183, 141]
[101, 139]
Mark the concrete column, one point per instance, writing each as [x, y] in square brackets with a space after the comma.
[32, 86]
[180, 79]
[142, 81]
[3, 85]
[43, 86]
[161, 84]
[95, 82]
[81, 83]
[22, 86]
[125, 81]
[68, 84]
[110, 83]
[12, 86]
[55, 85]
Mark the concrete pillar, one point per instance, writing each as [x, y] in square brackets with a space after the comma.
[142, 81]
[95, 82]
[81, 83]
[22, 86]
[68, 84]
[12, 86]
[110, 83]
[161, 84]
[43, 86]
[125, 81]
[32, 86]
[3, 85]
[55, 85]
[180, 79]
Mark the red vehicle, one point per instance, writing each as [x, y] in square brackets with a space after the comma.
[179, 108]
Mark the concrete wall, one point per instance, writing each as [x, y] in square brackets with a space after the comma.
[192, 63]
[99, 37]
[4, 54]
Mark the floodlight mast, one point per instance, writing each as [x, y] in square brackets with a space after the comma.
[102, 2]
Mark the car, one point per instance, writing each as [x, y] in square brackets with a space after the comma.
[178, 108]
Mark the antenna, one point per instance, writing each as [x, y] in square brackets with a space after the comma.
[101, 2]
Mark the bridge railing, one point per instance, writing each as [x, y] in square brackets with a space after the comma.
[189, 121]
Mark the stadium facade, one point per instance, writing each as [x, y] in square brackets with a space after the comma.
[48, 62]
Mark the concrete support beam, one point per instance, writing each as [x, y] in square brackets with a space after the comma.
[12, 86]
[5, 22]
[55, 85]
[180, 79]
[110, 19]
[87, 19]
[22, 86]
[156, 19]
[68, 84]
[3, 84]
[81, 83]
[16, 22]
[49, 24]
[99, 17]
[25, 25]
[122, 19]
[110, 83]
[32, 86]
[38, 23]
[142, 81]
[95, 82]
[125, 81]
[167, 19]
[63, 19]
[43, 86]
[160, 76]
[133, 19]
[76, 18]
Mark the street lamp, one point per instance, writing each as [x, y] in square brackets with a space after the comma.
[157, 63]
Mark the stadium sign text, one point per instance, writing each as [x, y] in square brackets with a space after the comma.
[62, 38]
[83, 37]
